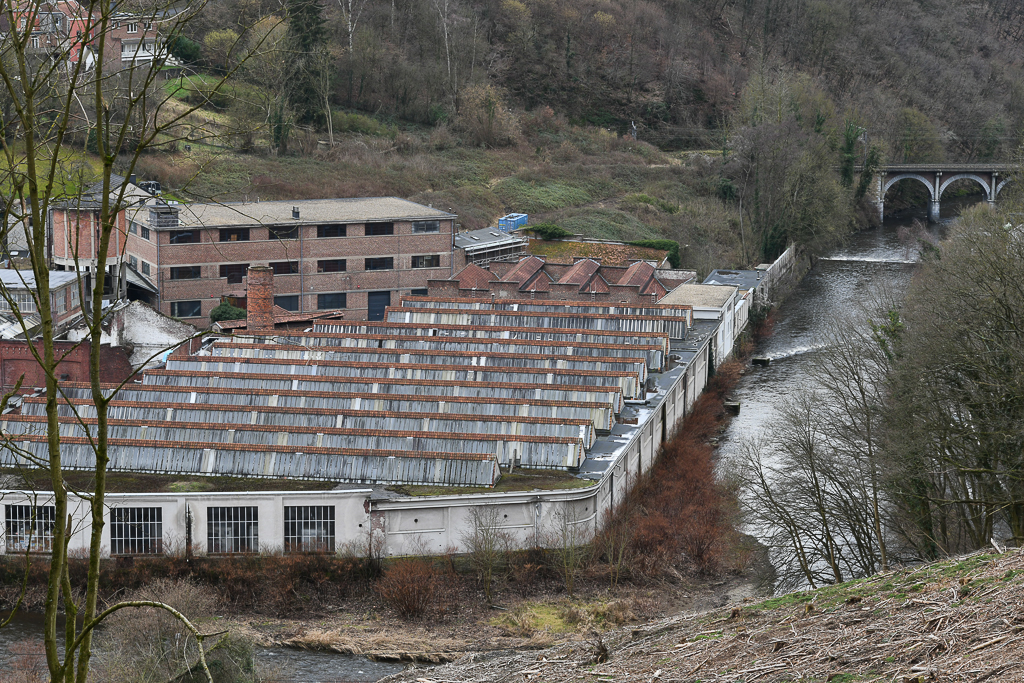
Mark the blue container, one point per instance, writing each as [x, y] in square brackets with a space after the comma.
[512, 221]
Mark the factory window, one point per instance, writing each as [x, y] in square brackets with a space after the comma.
[186, 309]
[426, 261]
[379, 264]
[331, 266]
[232, 530]
[379, 229]
[186, 272]
[183, 236]
[29, 528]
[133, 229]
[58, 303]
[285, 267]
[144, 232]
[284, 232]
[234, 235]
[234, 272]
[145, 268]
[426, 226]
[289, 302]
[337, 230]
[22, 300]
[327, 302]
[309, 528]
[418, 292]
[136, 531]
[133, 261]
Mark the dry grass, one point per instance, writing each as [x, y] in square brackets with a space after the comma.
[958, 621]
[378, 646]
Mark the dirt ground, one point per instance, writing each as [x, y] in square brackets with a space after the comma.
[461, 622]
[956, 621]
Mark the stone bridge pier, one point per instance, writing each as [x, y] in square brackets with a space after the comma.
[938, 177]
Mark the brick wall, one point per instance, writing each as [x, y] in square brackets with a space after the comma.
[210, 253]
[16, 360]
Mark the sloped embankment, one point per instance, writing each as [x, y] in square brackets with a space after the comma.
[950, 621]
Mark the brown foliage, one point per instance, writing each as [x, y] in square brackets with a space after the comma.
[680, 507]
[408, 586]
[27, 663]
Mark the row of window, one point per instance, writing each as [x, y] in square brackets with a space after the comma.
[376, 302]
[133, 261]
[140, 230]
[139, 531]
[234, 272]
[291, 232]
[328, 301]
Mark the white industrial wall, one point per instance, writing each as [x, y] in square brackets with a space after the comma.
[427, 524]
[351, 514]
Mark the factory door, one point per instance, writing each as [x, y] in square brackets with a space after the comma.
[376, 302]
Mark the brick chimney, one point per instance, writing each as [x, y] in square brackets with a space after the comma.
[259, 314]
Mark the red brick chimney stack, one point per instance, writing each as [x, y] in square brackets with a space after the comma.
[259, 314]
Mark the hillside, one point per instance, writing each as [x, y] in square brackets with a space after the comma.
[955, 620]
[528, 106]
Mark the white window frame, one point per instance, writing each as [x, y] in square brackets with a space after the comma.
[232, 530]
[136, 531]
[29, 528]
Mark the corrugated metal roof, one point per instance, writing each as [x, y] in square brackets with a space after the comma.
[474, 277]
[362, 466]
[638, 274]
[524, 270]
[581, 273]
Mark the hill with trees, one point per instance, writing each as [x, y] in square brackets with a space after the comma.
[750, 115]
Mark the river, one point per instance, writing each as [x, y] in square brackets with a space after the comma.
[839, 282]
[21, 650]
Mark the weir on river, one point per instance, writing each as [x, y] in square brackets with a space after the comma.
[837, 284]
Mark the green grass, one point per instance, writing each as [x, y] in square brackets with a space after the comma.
[634, 201]
[520, 480]
[606, 224]
[538, 197]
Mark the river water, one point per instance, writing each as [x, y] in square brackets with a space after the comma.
[838, 283]
[21, 650]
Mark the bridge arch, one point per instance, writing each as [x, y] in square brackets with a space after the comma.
[961, 176]
[999, 187]
[903, 176]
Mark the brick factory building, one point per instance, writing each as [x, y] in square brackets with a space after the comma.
[357, 255]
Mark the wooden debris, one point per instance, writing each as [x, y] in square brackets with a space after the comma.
[916, 625]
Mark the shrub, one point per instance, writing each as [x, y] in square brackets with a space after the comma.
[636, 200]
[408, 586]
[226, 311]
[671, 246]
[185, 49]
[358, 123]
[549, 231]
[200, 93]
[485, 118]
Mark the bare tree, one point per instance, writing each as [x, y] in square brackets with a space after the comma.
[488, 545]
[568, 539]
[82, 94]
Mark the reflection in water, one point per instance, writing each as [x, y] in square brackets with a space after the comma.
[21, 649]
[837, 285]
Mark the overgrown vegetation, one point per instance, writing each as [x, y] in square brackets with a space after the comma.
[906, 446]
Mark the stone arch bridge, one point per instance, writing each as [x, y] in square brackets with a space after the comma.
[937, 177]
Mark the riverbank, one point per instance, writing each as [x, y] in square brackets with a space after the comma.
[956, 620]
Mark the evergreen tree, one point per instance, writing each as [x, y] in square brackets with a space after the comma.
[308, 37]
